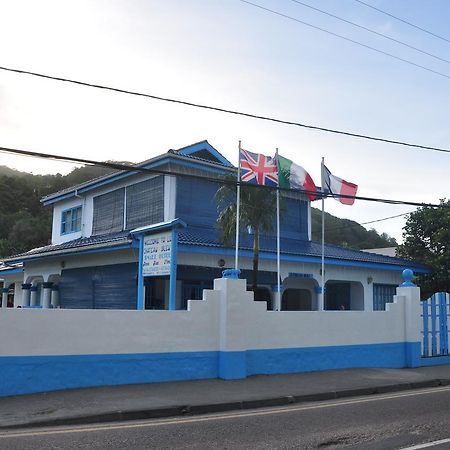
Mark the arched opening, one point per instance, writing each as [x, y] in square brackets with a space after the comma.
[36, 290]
[299, 293]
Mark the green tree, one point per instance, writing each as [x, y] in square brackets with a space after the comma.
[427, 240]
[257, 212]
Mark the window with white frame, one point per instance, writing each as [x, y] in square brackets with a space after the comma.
[71, 220]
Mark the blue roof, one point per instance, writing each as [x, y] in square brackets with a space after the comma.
[202, 154]
[106, 240]
[204, 238]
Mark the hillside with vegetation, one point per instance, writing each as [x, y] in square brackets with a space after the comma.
[347, 233]
[26, 224]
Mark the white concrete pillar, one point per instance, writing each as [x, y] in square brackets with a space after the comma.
[33, 295]
[26, 294]
[47, 294]
[5, 297]
[55, 296]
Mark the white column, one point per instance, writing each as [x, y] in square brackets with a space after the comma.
[26, 294]
[47, 294]
[33, 295]
[5, 297]
[55, 296]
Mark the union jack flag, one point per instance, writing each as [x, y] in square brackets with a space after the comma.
[258, 169]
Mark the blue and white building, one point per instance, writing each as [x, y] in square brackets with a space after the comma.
[105, 230]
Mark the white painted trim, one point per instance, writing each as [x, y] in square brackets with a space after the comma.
[170, 193]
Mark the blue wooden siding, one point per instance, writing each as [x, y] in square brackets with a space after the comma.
[195, 202]
[195, 205]
[294, 219]
[103, 287]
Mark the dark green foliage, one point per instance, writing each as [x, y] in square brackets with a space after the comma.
[24, 222]
[347, 233]
[427, 239]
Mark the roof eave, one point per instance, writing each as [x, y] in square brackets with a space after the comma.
[116, 245]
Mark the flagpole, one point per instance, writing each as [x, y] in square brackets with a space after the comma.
[321, 305]
[238, 201]
[278, 305]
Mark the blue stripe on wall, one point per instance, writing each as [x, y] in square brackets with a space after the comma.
[29, 374]
[290, 360]
[435, 361]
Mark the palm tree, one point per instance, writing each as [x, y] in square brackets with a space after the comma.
[257, 212]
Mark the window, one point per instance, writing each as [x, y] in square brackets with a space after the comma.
[382, 294]
[193, 290]
[108, 212]
[145, 203]
[71, 220]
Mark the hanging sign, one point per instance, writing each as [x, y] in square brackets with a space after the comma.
[157, 252]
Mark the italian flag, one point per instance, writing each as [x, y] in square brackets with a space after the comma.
[292, 176]
[337, 186]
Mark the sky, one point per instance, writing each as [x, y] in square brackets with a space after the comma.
[233, 55]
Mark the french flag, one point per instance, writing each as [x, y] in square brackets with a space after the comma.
[336, 186]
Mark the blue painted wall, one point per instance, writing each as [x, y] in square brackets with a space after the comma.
[195, 202]
[28, 374]
[25, 375]
[102, 287]
[195, 205]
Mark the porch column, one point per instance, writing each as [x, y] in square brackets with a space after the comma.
[26, 294]
[320, 298]
[5, 297]
[55, 296]
[33, 295]
[47, 294]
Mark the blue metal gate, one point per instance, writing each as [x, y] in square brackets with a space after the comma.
[435, 325]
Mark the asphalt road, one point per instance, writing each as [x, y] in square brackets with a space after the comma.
[390, 421]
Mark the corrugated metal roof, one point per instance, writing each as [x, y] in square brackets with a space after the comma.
[178, 153]
[207, 237]
[105, 239]
[210, 238]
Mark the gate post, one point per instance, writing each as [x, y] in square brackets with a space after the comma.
[412, 315]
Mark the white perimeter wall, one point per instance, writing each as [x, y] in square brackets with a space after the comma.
[227, 320]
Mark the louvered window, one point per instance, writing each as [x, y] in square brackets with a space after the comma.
[145, 203]
[108, 212]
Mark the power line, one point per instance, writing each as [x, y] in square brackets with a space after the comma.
[357, 225]
[125, 168]
[227, 111]
[402, 20]
[407, 61]
[371, 31]
[385, 218]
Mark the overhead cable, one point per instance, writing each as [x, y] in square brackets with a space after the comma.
[407, 61]
[228, 111]
[371, 31]
[357, 225]
[403, 20]
[221, 180]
